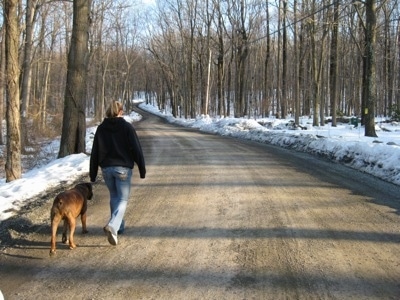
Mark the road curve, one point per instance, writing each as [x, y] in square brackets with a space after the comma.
[219, 218]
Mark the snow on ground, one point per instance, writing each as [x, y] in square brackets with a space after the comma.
[344, 144]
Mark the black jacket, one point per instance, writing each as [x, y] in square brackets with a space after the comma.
[116, 144]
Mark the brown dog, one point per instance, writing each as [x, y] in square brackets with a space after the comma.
[67, 206]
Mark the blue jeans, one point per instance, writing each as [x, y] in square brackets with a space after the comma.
[118, 181]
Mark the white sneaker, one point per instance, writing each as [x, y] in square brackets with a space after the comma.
[112, 238]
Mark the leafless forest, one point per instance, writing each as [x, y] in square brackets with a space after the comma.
[62, 61]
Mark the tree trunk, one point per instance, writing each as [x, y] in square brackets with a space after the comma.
[44, 94]
[208, 85]
[314, 68]
[265, 100]
[370, 81]
[220, 67]
[303, 49]
[13, 162]
[2, 81]
[284, 101]
[101, 101]
[229, 85]
[193, 24]
[296, 68]
[276, 109]
[241, 57]
[397, 93]
[27, 70]
[334, 64]
[74, 120]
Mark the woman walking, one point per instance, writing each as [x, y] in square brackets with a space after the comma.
[116, 148]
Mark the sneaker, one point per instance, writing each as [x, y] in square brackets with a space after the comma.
[112, 238]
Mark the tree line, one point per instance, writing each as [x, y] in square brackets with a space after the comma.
[62, 61]
[259, 58]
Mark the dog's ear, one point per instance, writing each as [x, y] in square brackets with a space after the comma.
[90, 190]
[85, 189]
[89, 186]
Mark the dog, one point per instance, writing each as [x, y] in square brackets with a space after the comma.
[67, 206]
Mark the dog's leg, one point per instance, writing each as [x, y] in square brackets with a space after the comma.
[65, 230]
[83, 220]
[72, 225]
[55, 220]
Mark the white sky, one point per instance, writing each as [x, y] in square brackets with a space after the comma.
[377, 156]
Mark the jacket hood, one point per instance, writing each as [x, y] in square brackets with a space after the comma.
[113, 124]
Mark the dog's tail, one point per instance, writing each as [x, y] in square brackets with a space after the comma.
[59, 202]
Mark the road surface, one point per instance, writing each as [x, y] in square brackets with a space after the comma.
[218, 218]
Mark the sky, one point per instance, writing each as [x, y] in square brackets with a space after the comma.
[345, 143]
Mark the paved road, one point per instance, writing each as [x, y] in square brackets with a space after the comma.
[219, 218]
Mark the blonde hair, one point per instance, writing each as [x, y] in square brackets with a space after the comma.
[114, 109]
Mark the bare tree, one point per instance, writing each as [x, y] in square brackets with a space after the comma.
[241, 24]
[284, 100]
[13, 162]
[74, 119]
[314, 66]
[2, 81]
[334, 63]
[388, 75]
[100, 54]
[221, 108]
[397, 96]
[265, 101]
[46, 52]
[31, 8]
[296, 66]
[317, 57]
[369, 78]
